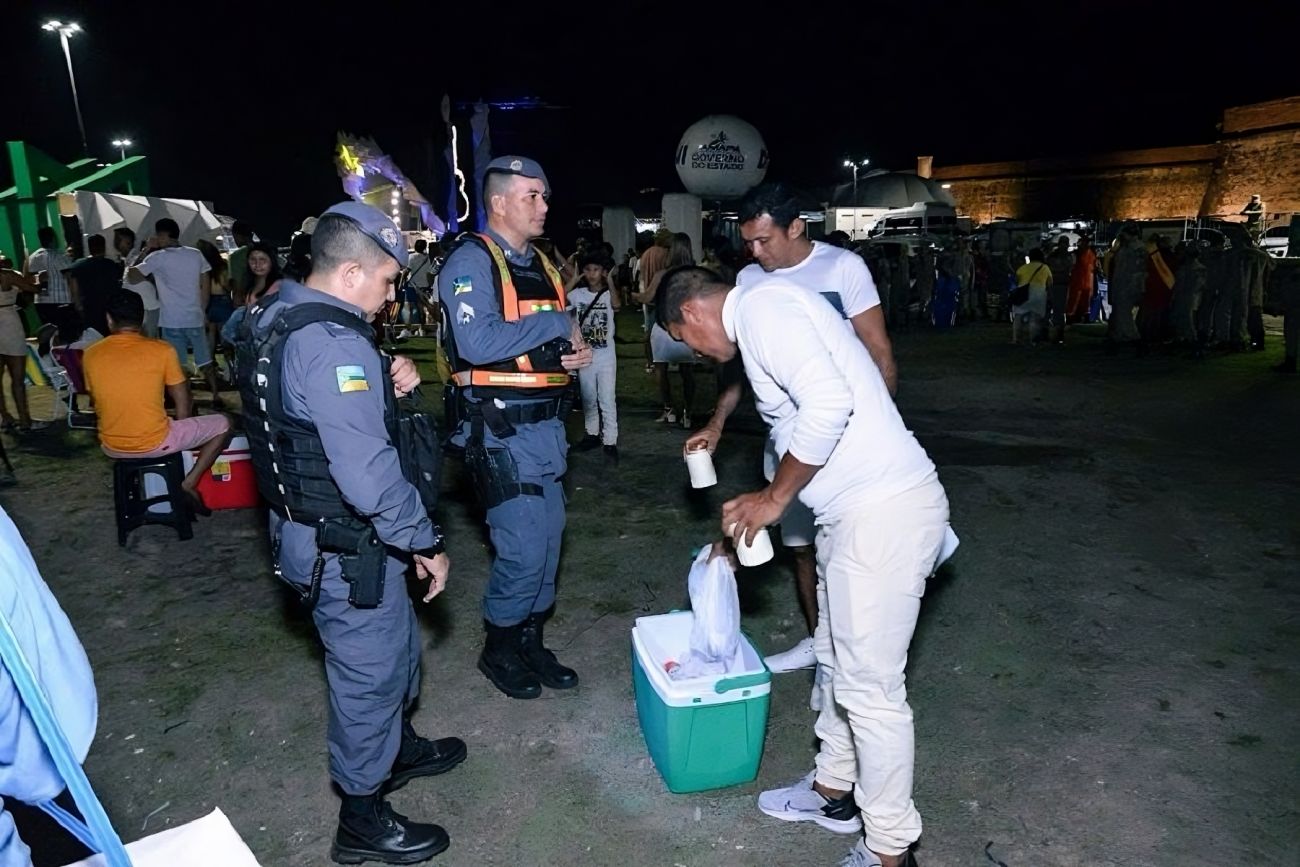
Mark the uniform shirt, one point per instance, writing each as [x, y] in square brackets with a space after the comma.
[333, 378]
[176, 272]
[840, 275]
[126, 374]
[53, 263]
[467, 287]
[597, 321]
[824, 398]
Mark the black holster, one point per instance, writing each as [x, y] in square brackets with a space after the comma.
[495, 474]
[361, 555]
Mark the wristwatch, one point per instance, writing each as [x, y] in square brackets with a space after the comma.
[439, 546]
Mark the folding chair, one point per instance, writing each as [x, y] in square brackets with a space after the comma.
[69, 361]
[97, 831]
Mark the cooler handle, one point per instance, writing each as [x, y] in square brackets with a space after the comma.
[727, 684]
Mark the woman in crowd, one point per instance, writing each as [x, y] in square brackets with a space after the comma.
[220, 306]
[664, 350]
[13, 348]
[262, 278]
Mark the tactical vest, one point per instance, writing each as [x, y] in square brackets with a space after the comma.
[289, 460]
[521, 290]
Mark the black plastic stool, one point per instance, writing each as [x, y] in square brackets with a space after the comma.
[133, 506]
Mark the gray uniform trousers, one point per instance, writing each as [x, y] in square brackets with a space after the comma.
[372, 662]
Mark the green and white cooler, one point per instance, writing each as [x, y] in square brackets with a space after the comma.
[705, 732]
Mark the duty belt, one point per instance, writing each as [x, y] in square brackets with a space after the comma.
[501, 420]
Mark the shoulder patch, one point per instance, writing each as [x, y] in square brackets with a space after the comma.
[461, 285]
[351, 377]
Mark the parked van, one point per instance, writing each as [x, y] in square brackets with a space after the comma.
[922, 218]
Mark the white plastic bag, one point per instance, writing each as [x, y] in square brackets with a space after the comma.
[715, 633]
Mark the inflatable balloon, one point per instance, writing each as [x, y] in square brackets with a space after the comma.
[721, 157]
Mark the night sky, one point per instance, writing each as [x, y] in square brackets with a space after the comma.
[238, 103]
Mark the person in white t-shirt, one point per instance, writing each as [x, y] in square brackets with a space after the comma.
[882, 518]
[180, 274]
[777, 237]
[593, 301]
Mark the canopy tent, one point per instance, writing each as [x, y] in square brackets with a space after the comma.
[890, 190]
[100, 213]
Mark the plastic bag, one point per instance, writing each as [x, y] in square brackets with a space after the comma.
[715, 632]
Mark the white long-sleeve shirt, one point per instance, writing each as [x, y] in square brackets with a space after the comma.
[824, 398]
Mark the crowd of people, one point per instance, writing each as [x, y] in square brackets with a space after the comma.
[346, 464]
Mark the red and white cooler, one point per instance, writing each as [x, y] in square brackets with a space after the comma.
[230, 484]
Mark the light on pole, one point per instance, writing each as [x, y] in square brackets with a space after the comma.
[65, 31]
[855, 165]
[122, 144]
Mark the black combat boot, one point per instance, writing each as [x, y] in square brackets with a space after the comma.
[501, 662]
[421, 757]
[542, 662]
[369, 830]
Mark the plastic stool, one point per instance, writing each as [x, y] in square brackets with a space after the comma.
[132, 505]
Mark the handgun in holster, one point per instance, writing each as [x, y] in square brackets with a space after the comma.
[361, 556]
[495, 474]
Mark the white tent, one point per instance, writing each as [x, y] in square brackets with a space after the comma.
[100, 213]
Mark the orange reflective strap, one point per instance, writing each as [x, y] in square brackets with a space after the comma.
[551, 272]
[509, 297]
[507, 378]
[512, 310]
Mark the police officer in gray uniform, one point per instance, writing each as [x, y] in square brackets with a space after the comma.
[512, 349]
[320, 408]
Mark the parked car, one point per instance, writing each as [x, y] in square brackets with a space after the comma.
[1276, 242]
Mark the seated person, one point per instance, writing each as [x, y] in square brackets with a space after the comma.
[127, 374]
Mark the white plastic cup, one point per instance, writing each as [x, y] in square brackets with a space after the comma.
[699, 463]
[754, 551]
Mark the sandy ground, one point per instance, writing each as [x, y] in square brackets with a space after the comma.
[1105, 674]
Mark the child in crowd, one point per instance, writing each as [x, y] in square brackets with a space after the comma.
[593, 302]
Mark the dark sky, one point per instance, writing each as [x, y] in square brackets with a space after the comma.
[238, 103]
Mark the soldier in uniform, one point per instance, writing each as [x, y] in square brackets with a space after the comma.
[512, 348]
[326, 435]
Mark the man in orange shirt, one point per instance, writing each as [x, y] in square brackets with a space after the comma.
[127, 374]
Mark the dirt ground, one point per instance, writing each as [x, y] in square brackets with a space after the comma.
[1106, 673]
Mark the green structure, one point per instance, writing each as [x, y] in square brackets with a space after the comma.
[33, 200]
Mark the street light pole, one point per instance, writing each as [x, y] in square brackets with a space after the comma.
[122, 144]
[854, 166]
[64, 31]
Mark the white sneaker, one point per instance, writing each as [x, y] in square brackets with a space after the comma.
[819, 678]
[800, 802]
[799, 657]
[860, 856]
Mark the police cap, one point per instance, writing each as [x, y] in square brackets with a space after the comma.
[515, 165]
[375, 225]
